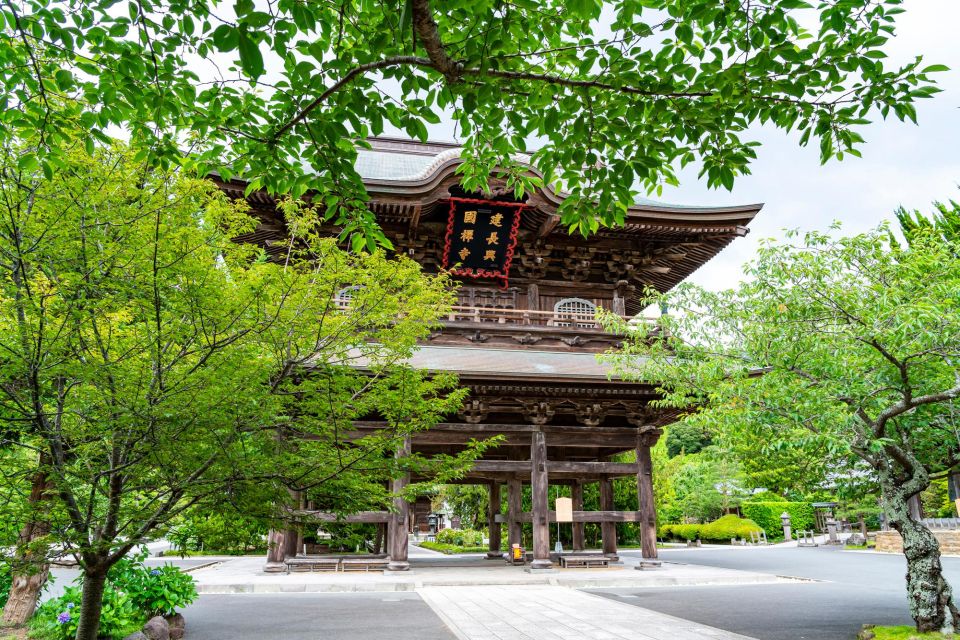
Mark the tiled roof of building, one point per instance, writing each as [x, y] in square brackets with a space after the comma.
[409, 160]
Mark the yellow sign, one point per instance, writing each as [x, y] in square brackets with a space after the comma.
[564, 510]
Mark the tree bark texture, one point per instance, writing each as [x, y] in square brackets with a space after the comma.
[928, 593]
[91, 604]
[29, 567]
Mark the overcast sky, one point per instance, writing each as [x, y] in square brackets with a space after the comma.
[903, 164]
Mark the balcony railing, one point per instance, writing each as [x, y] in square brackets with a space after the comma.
[524, 317]
[520, 317]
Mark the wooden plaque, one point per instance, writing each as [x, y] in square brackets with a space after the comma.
[564, 509]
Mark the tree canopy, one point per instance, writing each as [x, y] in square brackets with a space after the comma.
[152, 364]
[615, 95]
[846, 345]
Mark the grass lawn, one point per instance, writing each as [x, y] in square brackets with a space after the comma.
[904, 633]
[861, 547]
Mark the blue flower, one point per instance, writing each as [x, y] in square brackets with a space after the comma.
[155, 572]
[70, 605]
[64, 618]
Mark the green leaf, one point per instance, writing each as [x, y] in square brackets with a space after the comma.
[250, 57]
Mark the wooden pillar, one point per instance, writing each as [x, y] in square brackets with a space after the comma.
[608, 530]
[648, 509]
[398, 525]
[577, 496]
[514, 507]
[539, 490]
[275, 552]
[378, 540]
[493, 510]
[292, 534]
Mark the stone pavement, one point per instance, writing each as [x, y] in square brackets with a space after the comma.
[245, 575]
[554, 613]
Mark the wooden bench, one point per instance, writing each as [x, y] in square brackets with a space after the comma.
[312, 564]
[363, 564]
[584, 561]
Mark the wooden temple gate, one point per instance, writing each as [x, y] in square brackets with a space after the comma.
[523, 337]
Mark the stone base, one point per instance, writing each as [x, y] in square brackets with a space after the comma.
[540, 566]
[399, 565]
[495, 555]
[648, 564]
[275, 567]
[612, 557]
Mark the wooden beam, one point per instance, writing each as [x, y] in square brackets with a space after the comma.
[548, 225]
[557, 466]
[581, 516]
[363, 517]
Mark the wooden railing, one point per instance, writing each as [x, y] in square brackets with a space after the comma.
[518, 317]
[497, 315]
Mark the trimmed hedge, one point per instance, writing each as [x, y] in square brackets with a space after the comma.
[460, 537]
[767, 515]
[720, 530]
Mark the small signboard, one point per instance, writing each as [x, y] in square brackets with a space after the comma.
[564, 510]
[481, 238]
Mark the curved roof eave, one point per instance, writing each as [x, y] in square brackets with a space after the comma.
[430, 178]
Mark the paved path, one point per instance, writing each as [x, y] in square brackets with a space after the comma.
[308, 616]
[554, 613]
[245, 575]
[851, 588]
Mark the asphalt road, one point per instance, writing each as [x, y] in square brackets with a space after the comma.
[306, 616]
[851, 589]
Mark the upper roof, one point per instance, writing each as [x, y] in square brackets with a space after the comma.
[410, 163]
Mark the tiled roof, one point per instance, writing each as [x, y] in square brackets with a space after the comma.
[512, 363]
[409, 160]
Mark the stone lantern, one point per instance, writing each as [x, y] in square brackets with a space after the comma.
[785, 521]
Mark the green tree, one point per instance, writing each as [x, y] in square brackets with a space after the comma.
[686, 437]
[845, 340]
[616, 94]
[158, 366]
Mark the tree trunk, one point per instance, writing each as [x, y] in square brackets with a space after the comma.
[928, 593]
[91, 604]
[29, 566]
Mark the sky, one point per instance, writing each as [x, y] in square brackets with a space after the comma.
[903, 164]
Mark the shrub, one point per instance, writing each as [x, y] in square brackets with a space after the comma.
[6, 581]
[57, 619]
[134, 593]
[155, 591]
[687, 531]
[767, 515]
[460, 537]
[727, 527]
